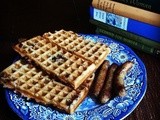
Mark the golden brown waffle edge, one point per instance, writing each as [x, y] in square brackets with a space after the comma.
[77, 44]
[33, 83]
[88, 55]
[68, 67]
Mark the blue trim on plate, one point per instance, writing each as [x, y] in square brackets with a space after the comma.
[12, 106]
[130, 108]
[144, 87]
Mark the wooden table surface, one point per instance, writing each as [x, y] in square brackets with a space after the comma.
[148, 108]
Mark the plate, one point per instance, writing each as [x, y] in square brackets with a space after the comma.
[116, 108]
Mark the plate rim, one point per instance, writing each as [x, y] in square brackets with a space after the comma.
[144, 87]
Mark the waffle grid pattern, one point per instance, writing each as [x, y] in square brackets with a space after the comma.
[58, 58]
[33, 83]
[69, 68]
[94, 52]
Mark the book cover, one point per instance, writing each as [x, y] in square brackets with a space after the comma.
[128, 11]
[136, 45]
[126, 34]
[151, 5]
[130, 25]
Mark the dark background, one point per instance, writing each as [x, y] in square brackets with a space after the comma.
[28, 18]
[31, 17]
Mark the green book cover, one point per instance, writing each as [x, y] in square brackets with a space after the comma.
[129, 42]
[126, 34]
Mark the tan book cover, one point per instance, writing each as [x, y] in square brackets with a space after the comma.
[128, 11]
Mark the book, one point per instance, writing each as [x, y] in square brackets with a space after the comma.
[126, 34]
[131, 43]
[128, 24]
[151, 5]
[128, 11]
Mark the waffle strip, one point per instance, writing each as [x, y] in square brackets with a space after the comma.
[34, 83]
[65, 55]
[68, 67]
[94, 52]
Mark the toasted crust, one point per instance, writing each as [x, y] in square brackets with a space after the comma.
[34, 83]
[69, 68]
[63, 69]
[65, 55]
[93, 52]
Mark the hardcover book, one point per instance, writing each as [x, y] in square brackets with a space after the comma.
[126, 34]
[128, 41]
[151, 5]
[128, 11]
[139, 28]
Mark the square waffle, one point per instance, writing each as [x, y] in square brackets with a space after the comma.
[87, 49]
[65, 55]
[56, 61]
[34, 83]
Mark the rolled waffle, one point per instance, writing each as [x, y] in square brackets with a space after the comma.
[34, 83]
[65, 55]
[87, 49]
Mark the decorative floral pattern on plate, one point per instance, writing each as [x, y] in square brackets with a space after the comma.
[116, 108]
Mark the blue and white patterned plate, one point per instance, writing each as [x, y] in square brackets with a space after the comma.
[116, 108]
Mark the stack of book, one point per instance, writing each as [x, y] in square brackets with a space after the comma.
[133, 22]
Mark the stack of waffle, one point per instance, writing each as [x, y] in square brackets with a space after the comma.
[58, 69]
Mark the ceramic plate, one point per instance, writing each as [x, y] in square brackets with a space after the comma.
[116, 108]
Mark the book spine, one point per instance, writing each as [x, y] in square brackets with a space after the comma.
[109, 18]
[151, 5]
[126, 34]
[130, 25]
[129, 42]
[128, 11]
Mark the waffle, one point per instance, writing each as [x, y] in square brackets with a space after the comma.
[69, 57]
[68, 67]
[34, 83]
[87, 49]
